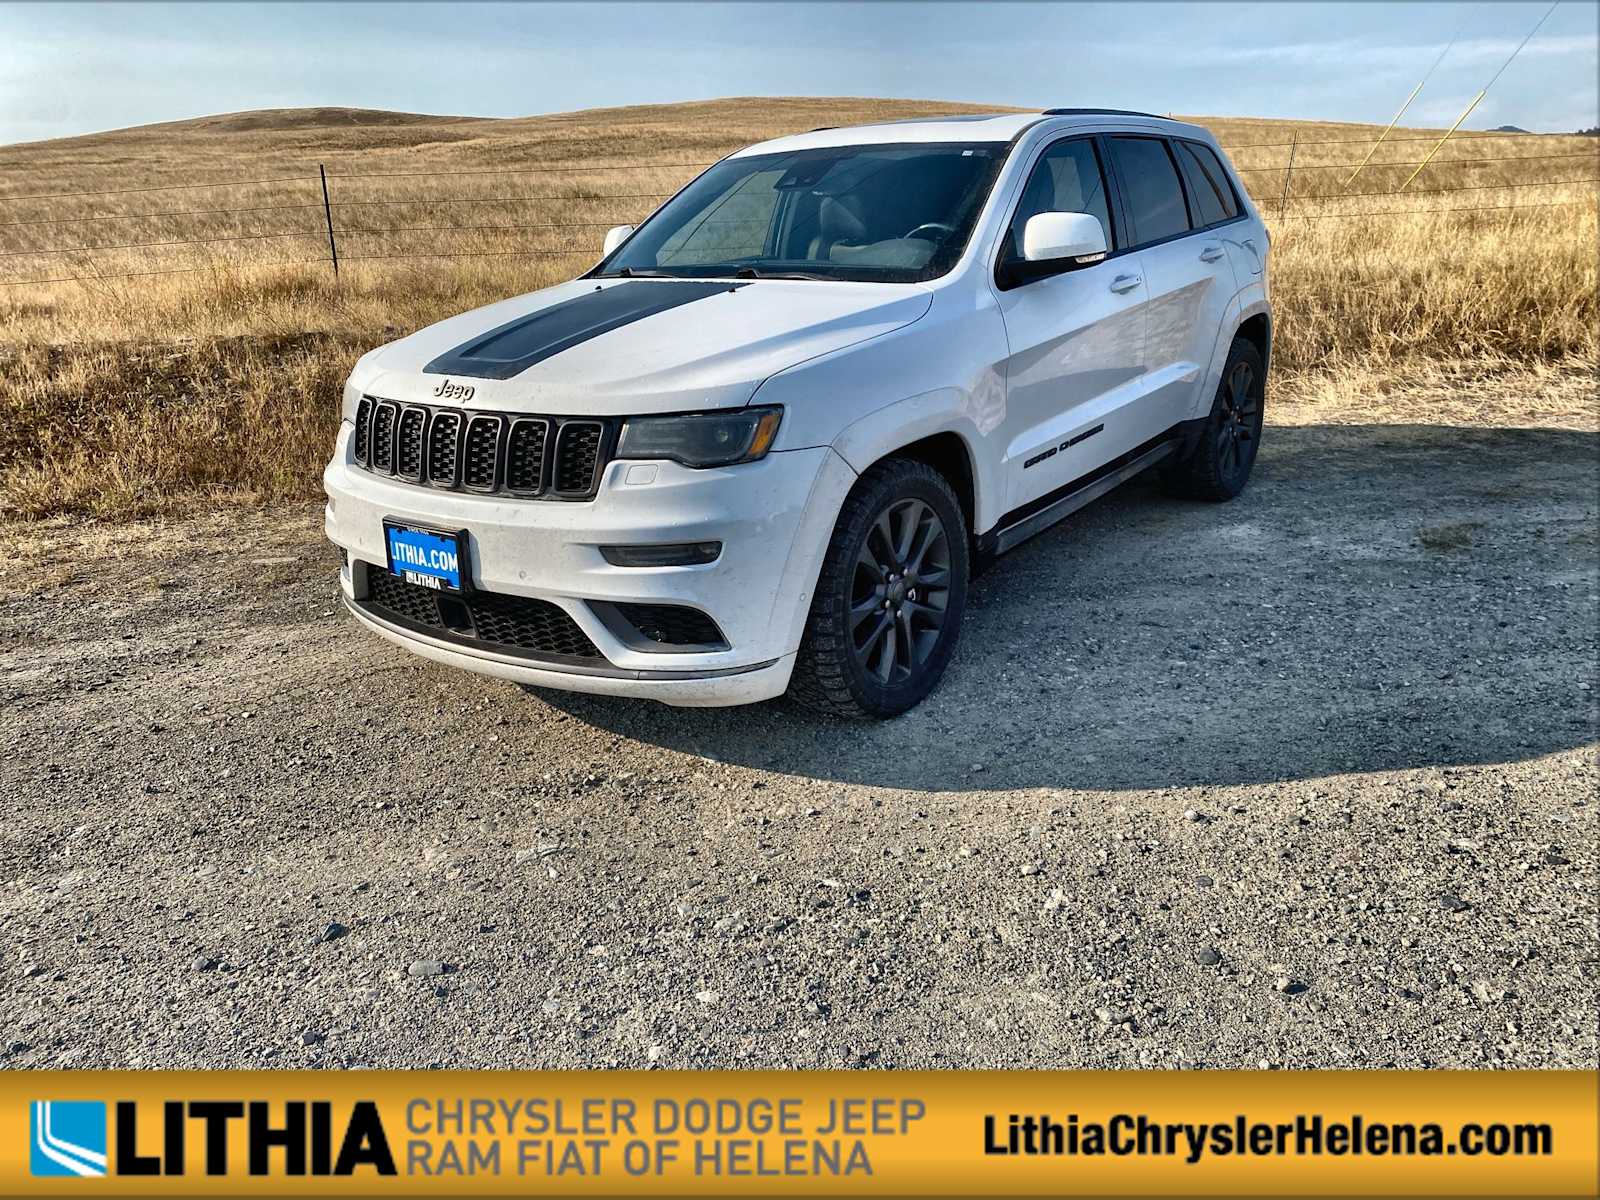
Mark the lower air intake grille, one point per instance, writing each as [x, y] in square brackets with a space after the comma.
[673, 624]
[515, 624]
[401, 598]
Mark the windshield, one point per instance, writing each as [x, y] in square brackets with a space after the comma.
[900, 213]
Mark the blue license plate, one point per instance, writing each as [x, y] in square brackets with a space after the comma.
[425, 558]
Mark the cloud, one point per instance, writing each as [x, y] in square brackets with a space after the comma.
[1353, 52]
[1443, 113]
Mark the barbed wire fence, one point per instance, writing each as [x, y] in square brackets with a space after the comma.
[341, 223]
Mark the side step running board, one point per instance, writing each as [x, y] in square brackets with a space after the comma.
[1014, 535]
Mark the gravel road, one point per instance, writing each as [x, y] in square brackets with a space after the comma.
[1304, 780]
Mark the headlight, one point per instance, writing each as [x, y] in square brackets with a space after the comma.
[715, 439]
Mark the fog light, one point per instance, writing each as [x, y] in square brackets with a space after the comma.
[672, 554]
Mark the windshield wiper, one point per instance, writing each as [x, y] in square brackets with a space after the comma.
[759, 273]
[630, 273]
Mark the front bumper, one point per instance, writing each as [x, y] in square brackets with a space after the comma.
[773, 518]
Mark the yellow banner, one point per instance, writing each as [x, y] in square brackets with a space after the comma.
[86, 1133]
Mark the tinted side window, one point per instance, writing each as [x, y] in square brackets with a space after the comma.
[1208, 184]
[1066, 179]
[1155, 197]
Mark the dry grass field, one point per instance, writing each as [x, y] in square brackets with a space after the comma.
[208, 371]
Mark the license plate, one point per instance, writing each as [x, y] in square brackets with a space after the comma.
[425, 557]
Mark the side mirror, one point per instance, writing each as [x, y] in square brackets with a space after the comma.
[615, 236]
[1066, 240]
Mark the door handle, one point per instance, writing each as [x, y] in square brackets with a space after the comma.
[1211, 253]
[1126, 283]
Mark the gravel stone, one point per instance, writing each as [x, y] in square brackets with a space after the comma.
[1328, 844]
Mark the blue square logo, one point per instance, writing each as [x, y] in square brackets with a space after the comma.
[68, 1138]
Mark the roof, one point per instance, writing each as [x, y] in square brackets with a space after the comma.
[964, 127]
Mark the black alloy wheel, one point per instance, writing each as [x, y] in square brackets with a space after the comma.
[1239, 432]
[1221, 453]
[886, 614]
[900, 592]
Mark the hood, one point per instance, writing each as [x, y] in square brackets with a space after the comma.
[630, 346]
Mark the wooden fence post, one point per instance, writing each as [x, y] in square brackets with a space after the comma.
[1283, 200]
[327, 215]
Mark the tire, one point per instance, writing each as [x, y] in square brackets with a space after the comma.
[1218, 465]
[878, 638]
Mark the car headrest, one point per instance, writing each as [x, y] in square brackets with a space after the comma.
[839, 219]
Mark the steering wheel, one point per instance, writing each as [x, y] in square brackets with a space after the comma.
[938, 227]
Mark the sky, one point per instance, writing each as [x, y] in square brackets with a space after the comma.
[78, 68]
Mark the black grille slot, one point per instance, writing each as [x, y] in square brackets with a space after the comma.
[551, 458]
[363, 429]
[525, 455]
[383, 438]
[480, 454]
[673, 624]
[577, 456]
[444, 439]
[518, 623]
[408, 443]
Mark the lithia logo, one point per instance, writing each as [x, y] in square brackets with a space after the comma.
[68, 1137]
[454, 391]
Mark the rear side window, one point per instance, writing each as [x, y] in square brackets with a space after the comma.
[1066, 179]
[1208, 184]
[1150, 181]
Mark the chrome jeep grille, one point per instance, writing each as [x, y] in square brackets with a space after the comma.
[547, 458]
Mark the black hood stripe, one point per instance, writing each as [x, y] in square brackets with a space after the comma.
[517, 345]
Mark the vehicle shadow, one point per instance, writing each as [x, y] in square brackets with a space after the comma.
[1382, 597]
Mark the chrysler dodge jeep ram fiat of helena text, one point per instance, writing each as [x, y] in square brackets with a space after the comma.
[762, 445]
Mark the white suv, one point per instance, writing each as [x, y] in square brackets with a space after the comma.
[764, 443]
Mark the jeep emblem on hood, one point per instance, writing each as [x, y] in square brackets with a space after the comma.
[454, 391]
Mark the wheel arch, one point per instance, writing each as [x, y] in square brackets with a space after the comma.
[949, 455]
[937, 429]
[1257, 330]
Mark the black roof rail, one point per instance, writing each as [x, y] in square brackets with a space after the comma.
[822, 129]
[1101, 112]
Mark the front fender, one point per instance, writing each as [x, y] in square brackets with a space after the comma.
[946, 410]
[938, 375]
